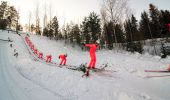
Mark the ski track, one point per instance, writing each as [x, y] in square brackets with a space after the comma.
[9, 85]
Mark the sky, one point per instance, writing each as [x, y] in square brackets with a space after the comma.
[75, 10]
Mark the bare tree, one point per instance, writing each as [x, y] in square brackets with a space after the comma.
[115, 11]
[29, 22]
[45, 17]
[37, 30]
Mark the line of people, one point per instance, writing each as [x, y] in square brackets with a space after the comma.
[40, 54]
[93, 46]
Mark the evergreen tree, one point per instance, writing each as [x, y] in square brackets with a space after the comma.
[8, 16]
[155, 24]
[76, 34]
[55, 27]
[128, 31]
[13, 17]
[68, 33]
[164, 20]
[32, 28]
[109, 32]
[85, 34]
[134, 30]
[91, 27]
[50, 31]
[3, 8]
[144, 26]
[45, 32]
[38, 28]
[119, 33]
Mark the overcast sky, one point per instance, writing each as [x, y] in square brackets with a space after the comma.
[76, 10]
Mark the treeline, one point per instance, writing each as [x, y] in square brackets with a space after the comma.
[153, 24]
[115, 24]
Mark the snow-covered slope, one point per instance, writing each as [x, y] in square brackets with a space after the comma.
[24, 78]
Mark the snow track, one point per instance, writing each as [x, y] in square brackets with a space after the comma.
[15, 85]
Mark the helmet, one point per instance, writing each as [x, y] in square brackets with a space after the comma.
[97, 41]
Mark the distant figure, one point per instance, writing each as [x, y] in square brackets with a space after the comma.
[63, 59]
[11, 45]
[40, 55]
[15, 53]
[36, 51]
[168, 27]
[32, 47]
[169, 67]
[48, 58]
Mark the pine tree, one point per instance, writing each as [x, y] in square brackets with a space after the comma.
[134, 30]
[85, 31]
[76, 33]
[164, 20]
[109, 32]
[55, 27]
[128, 31]
[8, 16]
[45, 32]
[3, 8]
[119, 33]
[144, 26]
[155, 24]
[91, 27]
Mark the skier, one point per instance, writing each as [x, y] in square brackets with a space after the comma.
[93, 48]
[63, 59]
[15, 53]
[11, 45]
[168, 27]
[92, 63]
[40, 55]
[49, 58]
[36, 51]
[32, 47]
[169, 67]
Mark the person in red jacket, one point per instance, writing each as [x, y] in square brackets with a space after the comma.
[169, 67]
[168, 27]
[63, 59]
[93, 48]
[49, 58]
[40, 55]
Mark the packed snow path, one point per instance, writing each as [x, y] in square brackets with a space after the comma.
[13, 86]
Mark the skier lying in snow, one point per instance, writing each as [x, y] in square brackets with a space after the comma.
[63, 59]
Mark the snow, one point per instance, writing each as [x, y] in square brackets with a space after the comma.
[23, 78]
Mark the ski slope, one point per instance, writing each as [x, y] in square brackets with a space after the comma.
[23, 78]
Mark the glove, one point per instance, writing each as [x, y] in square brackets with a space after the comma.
[83, 44]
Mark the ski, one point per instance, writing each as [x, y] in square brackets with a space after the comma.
[152, 76]
[157, 71]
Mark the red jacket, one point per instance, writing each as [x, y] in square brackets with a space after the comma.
[62, 56]
[92, 47]
[168, 27]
